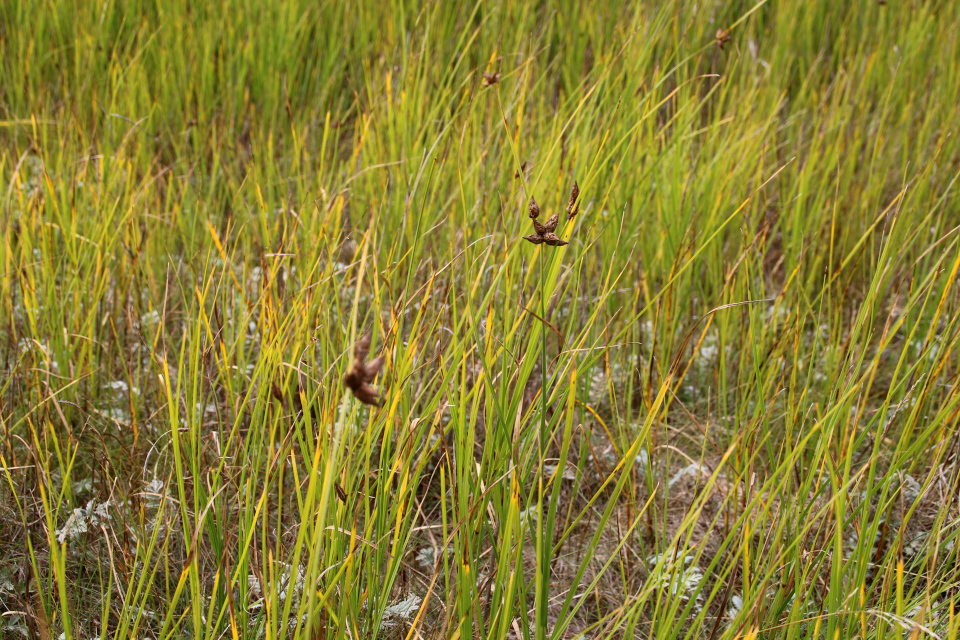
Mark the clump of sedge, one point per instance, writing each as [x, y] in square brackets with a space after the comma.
[361, 373]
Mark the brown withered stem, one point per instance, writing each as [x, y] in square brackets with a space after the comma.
[361, 373]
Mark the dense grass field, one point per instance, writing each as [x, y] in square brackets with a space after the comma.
[727, 408]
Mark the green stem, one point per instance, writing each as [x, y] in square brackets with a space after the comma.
[543, 562]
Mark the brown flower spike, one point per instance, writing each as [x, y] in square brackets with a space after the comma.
[361, 373]
[573, 207]
[534, 209]
[490, 79]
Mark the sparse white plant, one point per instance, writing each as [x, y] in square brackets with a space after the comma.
[404, 609]
[692, 470]
[909, 487]
[736, 604]
[678, 574]
[93, 515]
[13, 623]
[84, 485]
[619, 378]
[283, 582]
[6, 581]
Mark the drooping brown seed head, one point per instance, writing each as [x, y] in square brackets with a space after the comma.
[573, 206]
[534, 208]
[539, 228]
[534, 238]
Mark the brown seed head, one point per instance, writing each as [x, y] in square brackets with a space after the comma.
[361, 350]
[573, 207]
[534, 208]
[281, 282]
[360, 374]
[372, 368]
[551, 223]
[490, 79]
[544, 232]
[723, 37]
[553, 240]
[366, 394]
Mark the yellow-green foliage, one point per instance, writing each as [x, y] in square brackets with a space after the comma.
[727, 408]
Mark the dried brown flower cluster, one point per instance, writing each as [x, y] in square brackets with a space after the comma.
[362, 373]
[490, 79]
[545, 232]
[723, 37]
